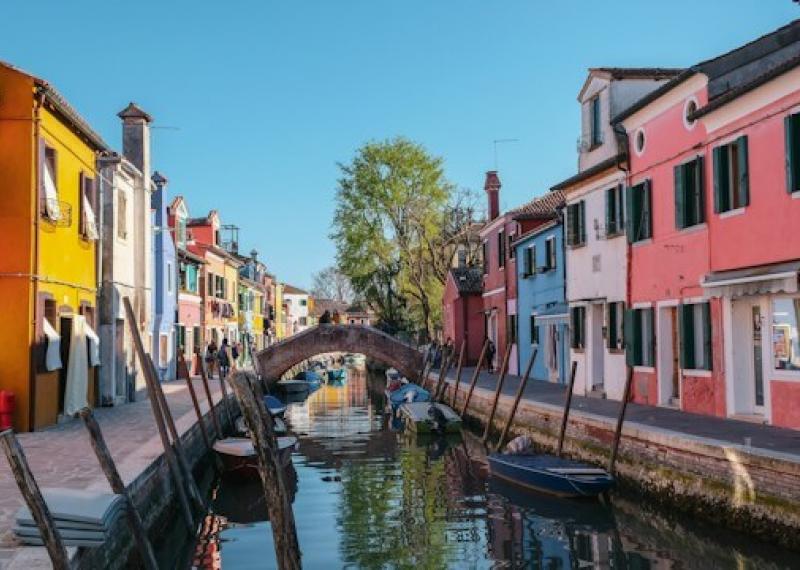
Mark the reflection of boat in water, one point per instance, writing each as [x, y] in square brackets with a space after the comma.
[550, 474]
[239, 455]
[241, 501]
[428, 417]
[355, 360]
[337, 376]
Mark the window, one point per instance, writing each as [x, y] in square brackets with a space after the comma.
[640, 342]
[462, 256]
[578, 327]
[511, 246]
[303, 302]
[785, 336]
[163, 350]
[219, 287]
[122, 215]
[550, 254]
[529, 261]
[485, 256]
[695, 336]
[730, 176]
[639, 142]
[50, 207]
[615, 315]
[615, 218]
[689, 109]
[792, 128]
[576, 224]
[501, 249]
[180, 231]
[534, 330]
[180, 337]
[302, 321]
[640, 215]
[197, 341]
[596, 133]
[690, 204]
[512, 329]
[88, 228]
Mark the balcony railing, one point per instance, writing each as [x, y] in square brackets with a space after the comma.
[57, 212]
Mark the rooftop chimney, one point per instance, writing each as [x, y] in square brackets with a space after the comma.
[136, 137]
[492, 189]
[254, 254]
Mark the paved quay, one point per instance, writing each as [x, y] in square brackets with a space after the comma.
[728, 431]
[61, 456]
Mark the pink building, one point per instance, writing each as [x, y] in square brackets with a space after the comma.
[713, 211]
[463, 311]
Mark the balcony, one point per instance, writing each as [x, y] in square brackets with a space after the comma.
[57, 212]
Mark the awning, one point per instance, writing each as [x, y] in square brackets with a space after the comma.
[764, 279]
[557, 313]
[94, 346]
[52, 357]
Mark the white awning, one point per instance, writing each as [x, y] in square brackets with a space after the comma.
[765, 279]
[50, 192]
[52, 357]
[89, 221]
[93, 341]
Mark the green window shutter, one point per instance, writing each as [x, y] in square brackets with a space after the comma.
[686, 335]
[718, 178]
[570, 224]
[631, 213]
[610, 221]
[582, 217]
[707, 347]
[611, 327]
[744, 175]
[789, 124]
[680, 202]
[699, 196]
[647, 210]
[620, 201]
[573, 329]
[629, 329]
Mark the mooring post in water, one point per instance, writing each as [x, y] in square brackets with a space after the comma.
[517, 398]
[284, 532]
[169, 451]
[211, 406]
[498, 391]
[567, 405]
[475, 375]
[195, 401]
[458, 375]
[103, 454]
[620, 420]
[33, 498]
[224, 389]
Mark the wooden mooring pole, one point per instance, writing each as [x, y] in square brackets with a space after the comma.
[458, 375]
[195, 402]
[442, 379]
[284, 532]
[567, 405]
[498, 390]
[620, 420]
[33, 498]
[475, 375]
[517, 398]
[103, 454]
[214, 411]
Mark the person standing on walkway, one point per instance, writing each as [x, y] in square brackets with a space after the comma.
[490, 351]
[222, 359]
[211, 357]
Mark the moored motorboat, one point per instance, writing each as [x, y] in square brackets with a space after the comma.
[293, 386]
[405, 394]
[278, 426]
[429, 417]
[550, 474]
[238, 453]
[274, 406]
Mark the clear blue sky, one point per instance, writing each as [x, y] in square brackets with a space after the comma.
[269, 95]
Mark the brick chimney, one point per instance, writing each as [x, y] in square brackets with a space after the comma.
[492, 189]
[136, 137]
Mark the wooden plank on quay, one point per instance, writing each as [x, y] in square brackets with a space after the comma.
[498, 390]
[106, 461]
[33, 498]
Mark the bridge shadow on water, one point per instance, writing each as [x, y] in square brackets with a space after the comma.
[368, 496]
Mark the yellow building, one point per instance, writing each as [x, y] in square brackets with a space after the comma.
[280, 313]
[48, 261]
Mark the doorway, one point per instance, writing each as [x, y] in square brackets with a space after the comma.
[120, 373]
[491, 331]
[66, 337]
[748, 362]
[597, 348]
[669, 368]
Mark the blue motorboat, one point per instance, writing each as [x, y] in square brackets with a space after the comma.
[550, 474]
[309, 376]
[274, 406]
[406, 394]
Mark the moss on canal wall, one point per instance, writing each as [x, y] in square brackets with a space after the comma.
[744, 489]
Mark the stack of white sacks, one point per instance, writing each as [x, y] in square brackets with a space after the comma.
[83, 518]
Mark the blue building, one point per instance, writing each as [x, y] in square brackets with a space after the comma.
[165, 287]
[542, 321]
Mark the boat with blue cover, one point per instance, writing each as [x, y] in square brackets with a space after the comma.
[337, 376]
[274, 406]
[406, 394]
[550, 474]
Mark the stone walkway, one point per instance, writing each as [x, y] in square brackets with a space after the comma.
[61, 456]
[773, 439]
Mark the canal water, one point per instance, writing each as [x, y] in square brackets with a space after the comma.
[366, 496]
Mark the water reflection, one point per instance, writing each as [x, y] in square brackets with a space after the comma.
[370, 497]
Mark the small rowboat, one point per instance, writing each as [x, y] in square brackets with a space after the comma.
[550, 474]
[427, 417]
[238, 453]
[274, 406]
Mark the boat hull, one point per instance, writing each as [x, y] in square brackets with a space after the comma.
[536, 473]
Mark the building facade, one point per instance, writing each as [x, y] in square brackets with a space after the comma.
[165, 286]
[462, 311]
[297, 312]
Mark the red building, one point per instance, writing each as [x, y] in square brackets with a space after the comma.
[713, 211]
[463, 311]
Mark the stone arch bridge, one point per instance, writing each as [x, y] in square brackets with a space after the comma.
[274, 360]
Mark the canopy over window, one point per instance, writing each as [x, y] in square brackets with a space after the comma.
[52, 356]
[764, 279]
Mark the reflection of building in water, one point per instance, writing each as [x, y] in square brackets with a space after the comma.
[207, 550]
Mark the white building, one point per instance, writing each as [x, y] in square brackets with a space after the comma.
[297, 315]
[126, 257]
[595, 229]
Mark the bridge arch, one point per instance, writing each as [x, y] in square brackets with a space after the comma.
[276, 359]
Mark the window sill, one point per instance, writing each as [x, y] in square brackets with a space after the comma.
[732, 213]
[698, 372]
[646, 369]
[616, 351]
[577, 350]
[615, 235]
[787, 375]
[642, 242]
[795, 195]
[699, 227]
[576, 245]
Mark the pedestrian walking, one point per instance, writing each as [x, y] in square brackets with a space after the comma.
[211, 357]
[490, 352]
[223, 361]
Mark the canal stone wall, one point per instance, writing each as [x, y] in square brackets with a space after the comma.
[153, 492]
[276, 359]
[749, 489]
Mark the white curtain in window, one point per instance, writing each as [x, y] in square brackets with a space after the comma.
[75, 396]
[89, 222]
[51, 206]
[94, 346]
[52, 357]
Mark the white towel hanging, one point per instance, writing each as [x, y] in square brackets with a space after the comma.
[52, 357]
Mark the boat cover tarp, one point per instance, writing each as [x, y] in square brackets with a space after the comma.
[409, 393]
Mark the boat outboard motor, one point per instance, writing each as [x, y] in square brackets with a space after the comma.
[436, 417]
[521, 445]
